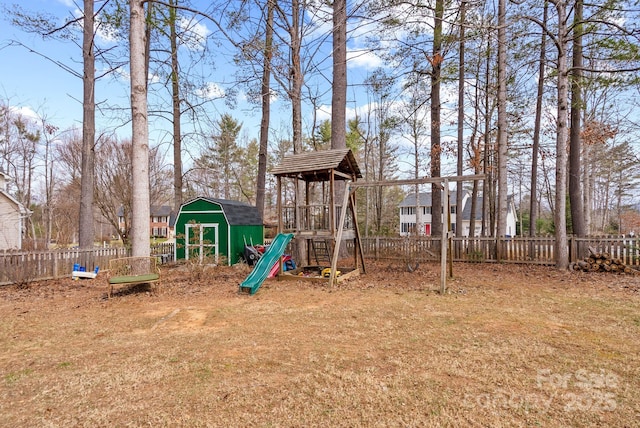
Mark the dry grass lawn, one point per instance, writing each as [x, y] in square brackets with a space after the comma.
[506, 346]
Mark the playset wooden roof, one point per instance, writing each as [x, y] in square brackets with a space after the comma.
[318, 166]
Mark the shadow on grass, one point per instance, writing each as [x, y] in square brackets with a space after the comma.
[134, 289]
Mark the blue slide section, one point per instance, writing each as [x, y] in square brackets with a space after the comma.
[264, 264]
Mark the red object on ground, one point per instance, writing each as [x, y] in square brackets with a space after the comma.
[276, 266]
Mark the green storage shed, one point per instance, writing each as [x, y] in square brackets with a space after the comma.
[214, 228]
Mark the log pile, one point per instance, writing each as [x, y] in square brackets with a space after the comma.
[602, 262]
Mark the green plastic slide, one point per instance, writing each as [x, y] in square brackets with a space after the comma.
[264, 264]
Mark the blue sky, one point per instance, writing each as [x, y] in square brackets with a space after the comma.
[30, 82]
[36, 85]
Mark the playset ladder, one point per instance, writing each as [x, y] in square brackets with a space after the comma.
[321, 250]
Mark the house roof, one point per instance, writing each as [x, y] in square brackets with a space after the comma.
[154, 211]
[466, 212]
[317, 166]
[160, 210]
[21, 208]
[425, 199]
[3, 192]
[237, 213]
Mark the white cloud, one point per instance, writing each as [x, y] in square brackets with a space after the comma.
[194, 35]
[363, 58]
[319, 16]
[26, 112]
[323, 113]
[210, 91]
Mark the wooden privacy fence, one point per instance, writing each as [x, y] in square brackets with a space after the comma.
[23, 267]
[26, 266]
[533, 250]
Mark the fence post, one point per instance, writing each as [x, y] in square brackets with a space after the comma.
[54, 256]
[573, 250]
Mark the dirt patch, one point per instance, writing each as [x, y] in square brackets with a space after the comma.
[508, 345]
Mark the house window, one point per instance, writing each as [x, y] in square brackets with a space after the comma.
[453, 209]
[407, 227]
[426, 210]
[159, 231]
[408, 210]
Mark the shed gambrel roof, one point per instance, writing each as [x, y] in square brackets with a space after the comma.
[237, 213]
[317, 166]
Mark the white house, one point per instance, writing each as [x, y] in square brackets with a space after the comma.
[12, 216]
[466, 216]
[418, 220]
[414, 221]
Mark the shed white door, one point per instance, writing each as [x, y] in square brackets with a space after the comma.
[201, 241]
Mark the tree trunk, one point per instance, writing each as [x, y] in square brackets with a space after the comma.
[487, 166]
[140, 133]
[436, 69]
[266, 110]
[295, 94]
[460, 160]
[575, 139]
[502, 121]
[587, 178]
[296, 76]
[175, 98]
[533, 207]
[339, 86]
[560, 217]
[85, 233]
[339, 93]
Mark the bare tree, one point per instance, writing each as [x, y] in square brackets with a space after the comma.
[265, 94]
[50, 135]
[461, 86]
[502, 120]
[535, 149]
[575, 140]
[47, 27]
[86, 232]
[291, 20]
[436, 149]
[114, 188]
[176, 110]
[339, 82]
[140, 132]
[560, 214]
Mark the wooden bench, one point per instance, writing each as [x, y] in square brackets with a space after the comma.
[133, 270]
